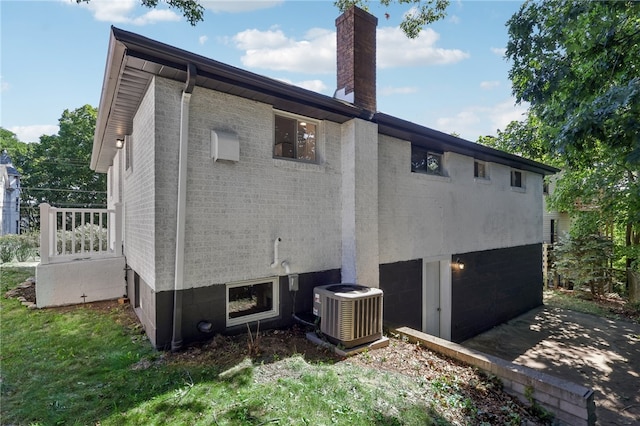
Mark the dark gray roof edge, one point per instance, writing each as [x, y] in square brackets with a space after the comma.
[427, 137]
[163, 53]
[174, 56]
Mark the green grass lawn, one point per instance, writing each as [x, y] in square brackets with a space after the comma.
[82, 366]
[88, 366]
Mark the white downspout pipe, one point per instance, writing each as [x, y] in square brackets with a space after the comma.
[276, 258]
[176, 339]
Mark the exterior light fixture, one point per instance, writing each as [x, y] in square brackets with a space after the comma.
[459, 264]
[119, 143]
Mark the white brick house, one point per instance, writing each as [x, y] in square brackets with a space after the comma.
[347, 191]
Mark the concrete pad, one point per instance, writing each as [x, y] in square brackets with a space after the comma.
[377, 344]
[594, 352]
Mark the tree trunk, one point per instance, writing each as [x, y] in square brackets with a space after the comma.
[633, 280]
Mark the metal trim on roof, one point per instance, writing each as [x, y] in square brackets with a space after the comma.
[133, 60]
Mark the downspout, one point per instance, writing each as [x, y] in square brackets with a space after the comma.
[176, 339]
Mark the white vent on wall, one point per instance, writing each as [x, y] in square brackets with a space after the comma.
[224, 146]
[350, 314]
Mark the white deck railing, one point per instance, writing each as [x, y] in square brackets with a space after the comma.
[79, 234]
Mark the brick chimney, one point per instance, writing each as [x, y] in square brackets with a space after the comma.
[356, 53]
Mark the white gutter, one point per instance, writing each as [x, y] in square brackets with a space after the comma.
[113, 71]
[176, 339]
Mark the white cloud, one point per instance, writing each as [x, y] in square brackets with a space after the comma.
[389, 91]
[454, 19]
[314, 85]
[203, 39]
[488, 85]
[500, 51]
[33, 133]
[475, 121]
[237, 6]
[395, 49]
[154, 16]
[123, 11]
[315, 51]
[4, 86]
[271, 49]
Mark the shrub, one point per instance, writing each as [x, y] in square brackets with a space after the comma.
[7, 249]
[21, 247]
[93, 236]
[583, 260]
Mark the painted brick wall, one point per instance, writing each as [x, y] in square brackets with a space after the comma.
[360, 203]
[167, 141]
[236, 210]
[139, 195]
[494, 286]
[423, 216]
[401, 283]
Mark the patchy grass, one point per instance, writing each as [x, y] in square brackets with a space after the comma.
[92, 365]
[611, 306]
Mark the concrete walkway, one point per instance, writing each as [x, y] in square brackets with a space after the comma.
[591, 351]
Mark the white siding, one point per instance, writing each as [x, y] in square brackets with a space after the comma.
[424, 216]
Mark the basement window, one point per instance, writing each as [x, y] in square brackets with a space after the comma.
[425, 161]
[252, 300]
[295, 138]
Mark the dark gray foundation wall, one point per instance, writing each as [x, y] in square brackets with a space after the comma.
[494, 287]
[401, 283]
[209, 304]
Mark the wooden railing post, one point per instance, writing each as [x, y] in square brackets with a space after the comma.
[44, 233]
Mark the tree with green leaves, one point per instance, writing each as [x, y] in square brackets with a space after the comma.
[192, 10]
[423, 12]
[57, 171]
[578, 65]
[16, 149]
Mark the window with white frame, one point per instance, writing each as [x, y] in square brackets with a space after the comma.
[480, 169]
[252, 300]
[425, 161]
[295, 138]
[517, 179]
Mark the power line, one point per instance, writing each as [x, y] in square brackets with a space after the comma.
[62, 190]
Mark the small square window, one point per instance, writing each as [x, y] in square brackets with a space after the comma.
[424, 161]
[253, 300]
[545, 187]
[480, 170]
[295, 139]
[516, 179]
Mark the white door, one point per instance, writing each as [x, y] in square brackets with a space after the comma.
[431, 299]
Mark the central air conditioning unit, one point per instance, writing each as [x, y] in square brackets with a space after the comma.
[350, 314]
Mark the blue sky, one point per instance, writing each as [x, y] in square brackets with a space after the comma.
[453, 78]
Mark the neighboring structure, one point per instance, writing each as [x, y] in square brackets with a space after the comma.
[555, 225]
[239, 187]
[9, 196]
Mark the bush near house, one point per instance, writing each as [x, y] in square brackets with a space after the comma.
[584, 261]
[82, 239]
[19, 247]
